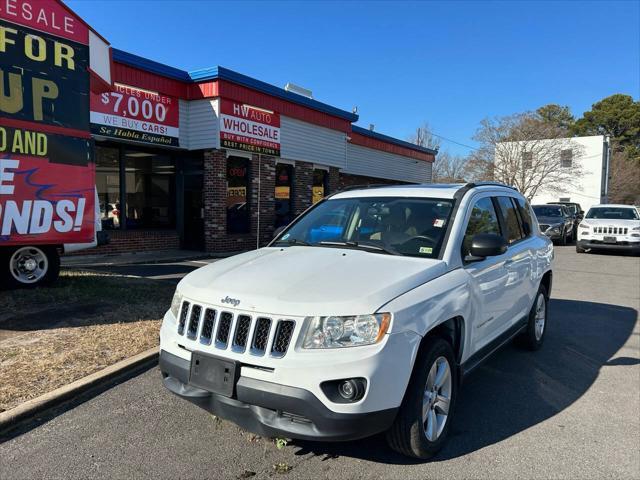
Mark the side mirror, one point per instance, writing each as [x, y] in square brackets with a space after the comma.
[278, 231]
[486, 245]
[581, 212]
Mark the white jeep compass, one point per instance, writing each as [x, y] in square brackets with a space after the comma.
[363, 315]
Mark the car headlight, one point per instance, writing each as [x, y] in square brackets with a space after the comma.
[175, 303]
[351, 331]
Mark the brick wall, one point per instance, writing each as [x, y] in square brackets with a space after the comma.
[348, 180]
[334, 179]
[215, 203]
[302, 188]
[128, 241]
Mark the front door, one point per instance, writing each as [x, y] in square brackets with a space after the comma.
[193, 238]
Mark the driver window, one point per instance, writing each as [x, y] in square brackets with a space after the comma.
[483, 219]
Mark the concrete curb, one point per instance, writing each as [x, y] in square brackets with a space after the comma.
[31, 408]
[103, 261]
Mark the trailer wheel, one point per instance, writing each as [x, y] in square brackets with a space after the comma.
[30, 266]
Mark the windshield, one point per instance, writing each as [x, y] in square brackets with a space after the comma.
[547, 211]
[612, 213]
[398, 226]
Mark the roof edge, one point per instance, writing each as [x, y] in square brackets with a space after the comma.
[392, 140]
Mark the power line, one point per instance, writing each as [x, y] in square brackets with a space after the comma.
[452, 141]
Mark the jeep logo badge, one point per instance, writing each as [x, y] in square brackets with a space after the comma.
[233, 301]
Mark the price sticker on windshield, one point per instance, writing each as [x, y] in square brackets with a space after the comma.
[438, 222]
[427, 250]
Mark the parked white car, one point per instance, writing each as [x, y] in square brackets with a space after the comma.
[363, 315]
[610, 227]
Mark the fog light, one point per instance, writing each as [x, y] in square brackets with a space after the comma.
[347, 389]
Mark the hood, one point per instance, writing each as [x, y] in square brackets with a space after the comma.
[301, 281]
[606, 222]
[550, 220]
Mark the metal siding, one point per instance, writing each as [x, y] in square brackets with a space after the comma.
[201, 129]
[378, 164]
[183, 138]
[310, 143]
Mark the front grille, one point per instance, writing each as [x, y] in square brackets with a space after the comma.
[183, 317]
[194, 322]
[611, 230]
[224, 328]
[242, 333]
[261, 336]
[207, 326]
[282, 338]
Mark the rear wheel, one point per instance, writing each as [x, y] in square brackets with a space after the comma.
[422, 424]
[563, 238]
[533, 336]
[30, 266]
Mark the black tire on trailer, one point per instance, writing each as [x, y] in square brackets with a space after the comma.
[433, 389]
[30, 266]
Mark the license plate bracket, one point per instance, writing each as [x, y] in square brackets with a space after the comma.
[609, 239]
[214, 374]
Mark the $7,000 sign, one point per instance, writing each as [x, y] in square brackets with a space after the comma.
[131, 113]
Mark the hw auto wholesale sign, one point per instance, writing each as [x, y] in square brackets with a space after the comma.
[131, 113]
[47, 175]
[243, 127]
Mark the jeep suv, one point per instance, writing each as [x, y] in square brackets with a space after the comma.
[363, 315]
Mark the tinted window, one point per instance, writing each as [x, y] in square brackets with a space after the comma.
[483, 219]
[511, 220]
[525, 214]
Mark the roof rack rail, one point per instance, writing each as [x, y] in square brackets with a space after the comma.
[488, 184]
[364, 187]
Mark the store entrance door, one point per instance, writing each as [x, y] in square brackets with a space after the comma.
[193, 238]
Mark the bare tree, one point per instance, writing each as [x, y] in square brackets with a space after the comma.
[449, 168]
[530, 154]
[424, 138]
[624, 178]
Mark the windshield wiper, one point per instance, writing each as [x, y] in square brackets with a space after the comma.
[295, 241]
[363, 246]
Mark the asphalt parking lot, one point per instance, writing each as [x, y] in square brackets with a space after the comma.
[571, 410]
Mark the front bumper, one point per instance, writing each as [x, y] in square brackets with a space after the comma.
[274, 410]
[630, 247]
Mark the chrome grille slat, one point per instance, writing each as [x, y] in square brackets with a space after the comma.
[282, 337]
[241, 333]
[183, 317]
[261, 336]
[206, 333]
[224, 329]
[194, 322]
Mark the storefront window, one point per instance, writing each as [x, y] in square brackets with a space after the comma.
[284, 207]
[320, 182]
[150, 190]
[108, 186]
[237, 195]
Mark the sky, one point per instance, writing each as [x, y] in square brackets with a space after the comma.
[450, 64]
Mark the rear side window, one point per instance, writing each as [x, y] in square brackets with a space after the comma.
[525, 215]
[510, 219]
[483, 219]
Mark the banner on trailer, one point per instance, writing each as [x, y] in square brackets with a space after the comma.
[47, 174]
[248, 128]
[131, 113]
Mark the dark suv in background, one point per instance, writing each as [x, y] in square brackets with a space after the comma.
[556, 222]
[575, 209]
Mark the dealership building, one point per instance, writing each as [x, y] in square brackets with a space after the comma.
[214, 160]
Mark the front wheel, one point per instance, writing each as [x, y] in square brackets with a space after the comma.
[422, 424]
[30, 266]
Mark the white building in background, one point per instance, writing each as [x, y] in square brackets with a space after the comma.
[592, 155]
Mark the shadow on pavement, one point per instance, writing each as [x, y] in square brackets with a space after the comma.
[517, 389]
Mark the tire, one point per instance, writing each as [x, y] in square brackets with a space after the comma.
[533, 336]
[18, 270]
[408, 434]
[579, 249]
[563, 238]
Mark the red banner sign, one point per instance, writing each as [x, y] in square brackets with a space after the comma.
[47, 16]
[243, 127]
[134, 114]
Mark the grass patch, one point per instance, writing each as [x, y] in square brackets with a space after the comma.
[52, 336]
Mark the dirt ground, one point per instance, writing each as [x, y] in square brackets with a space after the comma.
[87, 321]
